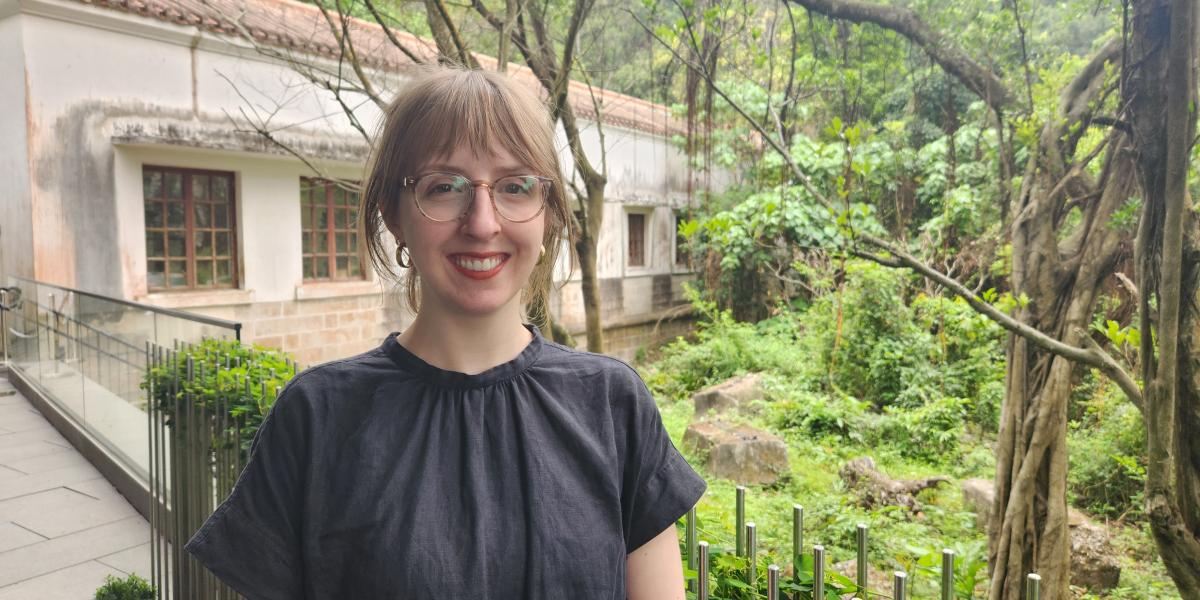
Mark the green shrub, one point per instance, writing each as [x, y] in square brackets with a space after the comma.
[930, 432]
[225, 370]
[1107, 452]
[131, 588]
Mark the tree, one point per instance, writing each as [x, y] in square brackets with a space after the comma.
[1144, 117]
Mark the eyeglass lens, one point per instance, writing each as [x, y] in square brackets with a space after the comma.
[446, 196]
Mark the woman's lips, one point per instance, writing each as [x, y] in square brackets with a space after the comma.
[478, 265]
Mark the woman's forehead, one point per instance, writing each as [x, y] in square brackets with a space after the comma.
[464, 156]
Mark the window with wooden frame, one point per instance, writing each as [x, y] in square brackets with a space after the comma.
[637, 239]
[191, 240]
[328, 224]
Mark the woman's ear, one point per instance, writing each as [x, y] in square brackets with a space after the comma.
[392, 222]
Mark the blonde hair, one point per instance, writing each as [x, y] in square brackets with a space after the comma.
[439, 109]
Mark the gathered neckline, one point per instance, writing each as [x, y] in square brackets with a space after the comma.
[410, 362]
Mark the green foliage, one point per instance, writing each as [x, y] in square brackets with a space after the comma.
[930, 432]
[130, 588]
[243, 378]
[1107, 471]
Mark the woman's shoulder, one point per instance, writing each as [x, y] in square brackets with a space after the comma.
[591, 367]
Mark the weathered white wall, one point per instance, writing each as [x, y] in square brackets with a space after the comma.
[16, 225]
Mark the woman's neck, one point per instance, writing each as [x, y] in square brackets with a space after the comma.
[465, 344]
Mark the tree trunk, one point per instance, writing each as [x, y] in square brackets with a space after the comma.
[1164, 49]
[585, 247]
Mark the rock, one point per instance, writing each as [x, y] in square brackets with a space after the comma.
[737, 393]
[979, 496]
[1093, 564]
[738, 452]
[878, 580]
[876, 489]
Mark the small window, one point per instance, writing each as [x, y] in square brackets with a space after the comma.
[329, 230]
[682, 254]
[191, 240]
[637, 239]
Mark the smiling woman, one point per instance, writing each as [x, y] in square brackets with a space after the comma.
[466, 456]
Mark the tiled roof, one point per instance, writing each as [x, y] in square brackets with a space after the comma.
[295, 27]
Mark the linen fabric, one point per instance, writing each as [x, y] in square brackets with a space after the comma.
[382, 476]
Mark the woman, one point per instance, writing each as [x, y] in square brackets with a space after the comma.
[466, 456]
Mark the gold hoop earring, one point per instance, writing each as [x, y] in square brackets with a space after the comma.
[400, 252]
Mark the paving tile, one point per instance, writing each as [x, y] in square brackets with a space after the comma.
[30, 423]
[7, 473]
[30, 505]
[77, 582]
[48, 462]
[15, 536]
[46, 480]
[96, 488]
[77, 516]
[13, 412]
[9, 440]
[30, 449]
[133, 560]
[58, 553]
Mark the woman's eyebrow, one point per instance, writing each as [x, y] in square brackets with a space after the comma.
[450, 168]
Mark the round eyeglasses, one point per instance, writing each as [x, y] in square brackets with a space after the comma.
[447, 196]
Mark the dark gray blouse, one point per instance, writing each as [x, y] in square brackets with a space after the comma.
[382, 476]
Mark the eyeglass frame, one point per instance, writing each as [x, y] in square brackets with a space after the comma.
[411, 182]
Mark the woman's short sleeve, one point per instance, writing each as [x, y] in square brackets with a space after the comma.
[252, 541]
[659, 485]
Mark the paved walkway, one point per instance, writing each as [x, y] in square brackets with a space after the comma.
[63, 527]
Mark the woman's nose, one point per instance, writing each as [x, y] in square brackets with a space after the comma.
[481, 220]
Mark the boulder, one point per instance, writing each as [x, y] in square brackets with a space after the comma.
[737, 393]
[979, 496]
[1093, 565]
[738, 452]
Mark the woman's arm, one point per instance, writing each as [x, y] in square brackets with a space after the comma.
[655, 570]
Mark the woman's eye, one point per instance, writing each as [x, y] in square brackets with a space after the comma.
[516, 187]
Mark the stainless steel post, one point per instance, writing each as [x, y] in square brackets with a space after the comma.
[818, 572]
[947, 574]
[702, 571]
[773, 582]
[690, 534]
[899, 585]
[741, 520]
[1034, 591]
[861, 581]
[751, 555]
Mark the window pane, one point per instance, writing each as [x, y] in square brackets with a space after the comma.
[151, 184]
[322, 267]
[339, 195]
[221, 216]
[174, 182]
[156, 273]
[154, 244]
[222, 245]
[200, 187]
[308, 267]
[221, 186]
[175, 215]
[204, 246]
[322, 217]
[341, 243]
[177, 274]
[306, 243]
[223, 272]
[354, 266]
[339, 218]
[341, 266]
[353, 242]
[305, 216]
[637, 239]
[154, 214]
[204, 272]
[322, 243]
[175, 246]
[201, 211]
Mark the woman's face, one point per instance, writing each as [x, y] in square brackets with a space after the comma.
[478, 264]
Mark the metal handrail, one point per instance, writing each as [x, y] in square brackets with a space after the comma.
[180, 314]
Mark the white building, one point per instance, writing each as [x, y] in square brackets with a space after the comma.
[127, 170]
